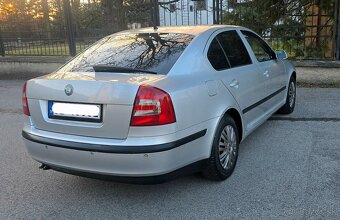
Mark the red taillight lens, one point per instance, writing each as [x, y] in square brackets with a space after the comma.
[24, 101]
[152, 107]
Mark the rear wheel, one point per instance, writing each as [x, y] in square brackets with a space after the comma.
[224, 151]
[291, 97]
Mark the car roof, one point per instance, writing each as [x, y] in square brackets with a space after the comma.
[193, 30]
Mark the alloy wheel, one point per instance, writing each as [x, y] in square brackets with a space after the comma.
[227, 147]
[292, 94]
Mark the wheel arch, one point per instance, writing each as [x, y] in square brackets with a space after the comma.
[232, 112]
[293, 74]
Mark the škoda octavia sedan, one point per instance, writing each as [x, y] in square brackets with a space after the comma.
[151, 104]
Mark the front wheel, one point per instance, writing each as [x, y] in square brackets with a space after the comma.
[291, 97]
[224, 151]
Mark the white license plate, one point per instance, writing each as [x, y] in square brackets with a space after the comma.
[75, 111]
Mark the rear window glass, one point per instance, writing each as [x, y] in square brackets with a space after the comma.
[156, 52]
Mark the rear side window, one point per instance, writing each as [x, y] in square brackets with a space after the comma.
[217, 57]
[156, 52]
[234, 48]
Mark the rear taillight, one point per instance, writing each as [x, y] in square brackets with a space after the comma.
[152, 107]
[24, 101]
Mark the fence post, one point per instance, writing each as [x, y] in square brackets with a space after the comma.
[2, 46]
[69, 28]
[337, 21]
[214, 11]
[217, 7]
[155, 13]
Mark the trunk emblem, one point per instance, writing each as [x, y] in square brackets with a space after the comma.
[68, 89]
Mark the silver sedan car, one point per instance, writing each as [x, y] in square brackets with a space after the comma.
[149, 105]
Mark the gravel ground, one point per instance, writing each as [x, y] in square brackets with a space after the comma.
[316, 76]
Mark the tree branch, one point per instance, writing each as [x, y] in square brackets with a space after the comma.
[169, 2]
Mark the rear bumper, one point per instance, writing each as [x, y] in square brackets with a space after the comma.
[122, 159]
[112, 148]
[189, 169]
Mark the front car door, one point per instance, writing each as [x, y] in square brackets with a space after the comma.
[229, 56]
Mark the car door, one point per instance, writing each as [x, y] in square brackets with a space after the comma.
[272, 68]
[229, 56]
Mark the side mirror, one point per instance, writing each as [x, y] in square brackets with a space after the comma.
[281, 54]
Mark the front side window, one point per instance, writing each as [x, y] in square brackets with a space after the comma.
[234, 48]
[260, 48]
[156, 52]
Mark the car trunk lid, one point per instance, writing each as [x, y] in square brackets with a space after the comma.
[113, 92]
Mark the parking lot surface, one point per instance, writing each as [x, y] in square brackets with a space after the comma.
[289, 168]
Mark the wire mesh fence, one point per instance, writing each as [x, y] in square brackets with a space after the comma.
[304, 28]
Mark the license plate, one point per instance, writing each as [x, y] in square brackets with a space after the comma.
[75, 111]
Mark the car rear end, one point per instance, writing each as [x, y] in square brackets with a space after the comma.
[111, 123]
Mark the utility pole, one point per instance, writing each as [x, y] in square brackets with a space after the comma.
[337, 21]
[2, 46]
[69, 28]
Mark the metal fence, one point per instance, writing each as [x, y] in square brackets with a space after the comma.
[65, 27]
[307, 29]
[304, 28]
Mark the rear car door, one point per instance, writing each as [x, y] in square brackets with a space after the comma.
[229, 56]
[272, 69]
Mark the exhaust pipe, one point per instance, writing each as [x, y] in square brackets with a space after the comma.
[44, 167]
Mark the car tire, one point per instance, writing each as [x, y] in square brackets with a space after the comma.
[218, 168]
[291, 97]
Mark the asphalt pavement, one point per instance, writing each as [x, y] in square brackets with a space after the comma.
[289, 168]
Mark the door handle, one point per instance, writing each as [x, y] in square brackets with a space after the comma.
[234, 84]
[266, 73]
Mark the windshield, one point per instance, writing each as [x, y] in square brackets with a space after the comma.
[156, 52]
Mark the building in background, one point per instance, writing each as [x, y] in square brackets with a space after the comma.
[186, 12]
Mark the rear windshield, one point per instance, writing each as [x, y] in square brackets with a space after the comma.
[156, 52]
